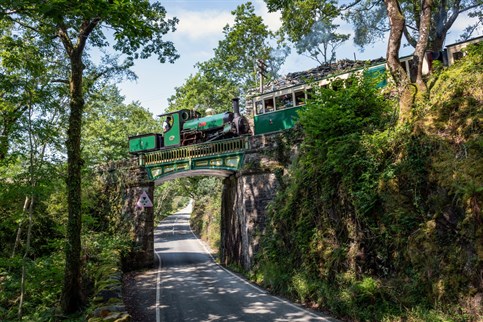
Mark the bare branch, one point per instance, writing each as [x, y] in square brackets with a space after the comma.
[350, 5]
[59, 80]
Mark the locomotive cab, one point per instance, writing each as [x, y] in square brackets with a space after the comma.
[172, 136]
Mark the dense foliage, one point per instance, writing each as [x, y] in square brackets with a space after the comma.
[381, 220]
[34, 210]
[206, 216]
[137, 28]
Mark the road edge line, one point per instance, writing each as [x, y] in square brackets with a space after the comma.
[158, 287]
[256, 287]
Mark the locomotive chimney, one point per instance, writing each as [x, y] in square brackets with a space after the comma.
[236, 107]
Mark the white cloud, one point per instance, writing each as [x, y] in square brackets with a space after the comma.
[196, 24]
[201, 24]
[271, 19]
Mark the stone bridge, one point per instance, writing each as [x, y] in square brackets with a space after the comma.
[247, 189]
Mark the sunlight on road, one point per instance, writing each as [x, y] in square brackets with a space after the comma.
[187, 273]
[188, 209]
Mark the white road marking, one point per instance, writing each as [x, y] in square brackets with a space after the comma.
[158, 281]
[158, 288]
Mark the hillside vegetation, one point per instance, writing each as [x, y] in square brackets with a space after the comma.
[380, 219]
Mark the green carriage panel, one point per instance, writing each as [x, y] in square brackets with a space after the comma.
[276, 121]
[378, 71]
[144, 143]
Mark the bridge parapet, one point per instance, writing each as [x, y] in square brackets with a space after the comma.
[195, 151]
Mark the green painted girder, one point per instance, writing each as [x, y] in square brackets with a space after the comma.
[225, 155]
[228, 162]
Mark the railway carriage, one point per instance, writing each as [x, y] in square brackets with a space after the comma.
[276, 109]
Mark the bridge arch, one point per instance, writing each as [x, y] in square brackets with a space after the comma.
[194, 173]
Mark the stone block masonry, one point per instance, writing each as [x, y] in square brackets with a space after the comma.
[245, 199]
[142, 250]
[244, 203]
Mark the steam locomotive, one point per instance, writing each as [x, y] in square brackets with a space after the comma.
[186, 127]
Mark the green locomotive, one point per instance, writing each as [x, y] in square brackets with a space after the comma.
[186, 127]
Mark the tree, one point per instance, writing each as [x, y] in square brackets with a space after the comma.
[202, 91]
[25, 79]
[108, 123]
[309, 25]
[370, 20]
[232, 70]
[138, 28]
[322, 41]
[247, 40]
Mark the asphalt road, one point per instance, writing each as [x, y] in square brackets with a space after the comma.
[190, 286]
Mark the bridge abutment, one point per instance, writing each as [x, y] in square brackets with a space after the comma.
[141, 254]
[244, 213]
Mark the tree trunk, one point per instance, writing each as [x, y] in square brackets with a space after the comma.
[420, 50]
[25, 256]
[72, 298]
[72, 295]
[397, 22]
[32, 185]
[19, 229]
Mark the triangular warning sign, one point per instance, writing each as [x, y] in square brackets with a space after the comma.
[144, 201]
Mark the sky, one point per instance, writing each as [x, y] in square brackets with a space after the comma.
[198, 32]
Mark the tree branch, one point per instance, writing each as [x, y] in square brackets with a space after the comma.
[23, 24]
[409, 37]
[469, 8]
[350, 5]
[59, 80]
[86, 28]
[64, 37]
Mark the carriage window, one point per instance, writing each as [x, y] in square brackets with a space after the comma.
[259, 107]
[299, 98]
[269, 107]
[283, 101]
[310, 93]
[457, 55]
[337, 84]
